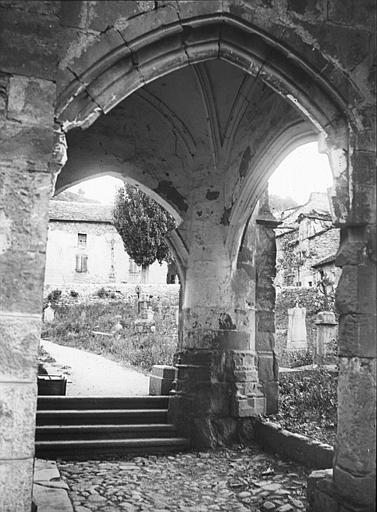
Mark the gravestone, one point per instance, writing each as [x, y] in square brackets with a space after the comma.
[296, 337]
[48, 314]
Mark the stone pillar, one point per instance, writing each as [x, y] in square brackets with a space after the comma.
[27, 96]
[355, 454]
[217, 381]
[265, 263]
[351, 484]
[326, 332]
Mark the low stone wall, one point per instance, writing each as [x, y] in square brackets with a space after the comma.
[165, 292]
[274, 438]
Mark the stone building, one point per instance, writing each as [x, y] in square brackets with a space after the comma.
[305, 237]
[198, 102]
[83, 247]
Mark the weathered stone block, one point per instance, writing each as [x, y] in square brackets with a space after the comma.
[266, 368]
[271, 394]
[265, 321]
[351, 51]
[31, 101]
[357, 489]
[350, 13]
[23, 294]
[19, 347]
[17, 420]
[24, 198]
[357, 335]
[16, 478]
[104, 15]
[308, 7]
[356, 435]
[265, 341]
[29, 43]
[25, 146]
[81, 49]
[318, 499]
[243, 359]
[356, 292]
[161, 380]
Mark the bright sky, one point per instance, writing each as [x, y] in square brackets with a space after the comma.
[102, 189]
[302, 172]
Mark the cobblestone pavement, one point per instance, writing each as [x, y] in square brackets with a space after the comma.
[239, 480]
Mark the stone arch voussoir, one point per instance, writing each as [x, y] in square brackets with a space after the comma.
[136, 57]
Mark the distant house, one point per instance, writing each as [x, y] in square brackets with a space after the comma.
[83, 246]
[306, 243]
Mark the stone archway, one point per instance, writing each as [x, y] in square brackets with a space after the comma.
[261, 56]
[316, 67]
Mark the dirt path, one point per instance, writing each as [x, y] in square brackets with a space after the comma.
[95, 375]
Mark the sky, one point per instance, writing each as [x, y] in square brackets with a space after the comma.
[303, 171]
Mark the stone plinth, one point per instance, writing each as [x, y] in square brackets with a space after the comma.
[322, 495]
[326, 333]
[161, 380]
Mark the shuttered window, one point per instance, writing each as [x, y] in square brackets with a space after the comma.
[81, 263]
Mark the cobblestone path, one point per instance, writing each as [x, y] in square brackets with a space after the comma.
[238, 480]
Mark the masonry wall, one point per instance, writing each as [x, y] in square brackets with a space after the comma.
[313, 250]
[28, 59]
[63, 248]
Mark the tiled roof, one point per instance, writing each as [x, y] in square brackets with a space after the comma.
[66, 211]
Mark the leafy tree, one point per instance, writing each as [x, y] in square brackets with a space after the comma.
[143, 225]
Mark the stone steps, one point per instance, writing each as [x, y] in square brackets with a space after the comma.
[52, 402]
[103, 431]
[86, 427]
[101, 416]
[109, 447]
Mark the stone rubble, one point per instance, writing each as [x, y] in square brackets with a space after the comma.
[239, 480]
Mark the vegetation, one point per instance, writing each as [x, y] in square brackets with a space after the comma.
[74, 324]
[143, 225]
[308, 403]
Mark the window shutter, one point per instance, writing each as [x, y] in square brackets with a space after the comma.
[84, 263]
[78, 263]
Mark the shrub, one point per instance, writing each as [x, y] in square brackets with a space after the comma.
[73, 293]
[300, 359]
[309, 393]
[102, 293]
[54, 295]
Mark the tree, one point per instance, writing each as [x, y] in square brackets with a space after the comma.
[143, 225]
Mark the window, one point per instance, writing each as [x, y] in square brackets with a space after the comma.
[81, 240]
[81, 263]
[310, 283]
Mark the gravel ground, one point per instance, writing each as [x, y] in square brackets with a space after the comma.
[239, 480]
[93, 375]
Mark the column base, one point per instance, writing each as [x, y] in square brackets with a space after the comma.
[322, 495]
[216, 393]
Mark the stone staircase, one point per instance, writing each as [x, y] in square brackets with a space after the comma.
[87, 427]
